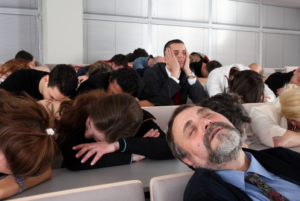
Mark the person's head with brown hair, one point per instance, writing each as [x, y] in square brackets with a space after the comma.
[99, 67]
[100, 116]
[25, 147]
[11, 66]
[248, 85]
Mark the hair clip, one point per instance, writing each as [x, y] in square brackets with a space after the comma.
[50, 131]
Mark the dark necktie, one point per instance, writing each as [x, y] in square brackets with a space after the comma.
[271, 193]
[176, 98]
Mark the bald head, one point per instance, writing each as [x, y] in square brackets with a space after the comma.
[257, 68]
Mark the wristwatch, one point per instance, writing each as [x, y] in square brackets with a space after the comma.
[190, 75]
[21, 181]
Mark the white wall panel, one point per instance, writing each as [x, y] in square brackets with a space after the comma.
[135, 8]
[273, 51]
[281, 18]
[18, 32]
[189, 10]
[195, 39]
[235, 13]
[29, 4]
[105, 39]
[291, 50]
[230, 47]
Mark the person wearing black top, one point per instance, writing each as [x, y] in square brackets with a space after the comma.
[61, 82]
[124, 80]
[278, 80]
[112, 127]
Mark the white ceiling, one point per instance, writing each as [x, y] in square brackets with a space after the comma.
[294, 3]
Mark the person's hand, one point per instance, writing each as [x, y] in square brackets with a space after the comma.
[98, 148]
[280, 90]
[136, 157]
[152, 133]
[186, 67]
[266, 97]
[82, 78]
[172, 63]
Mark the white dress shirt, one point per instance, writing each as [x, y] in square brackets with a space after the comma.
[217, 81]
[191, 81]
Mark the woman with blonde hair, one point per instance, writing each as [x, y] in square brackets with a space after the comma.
[278, 123]
[26, 148]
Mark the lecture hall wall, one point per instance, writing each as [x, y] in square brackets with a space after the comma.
[84, 31]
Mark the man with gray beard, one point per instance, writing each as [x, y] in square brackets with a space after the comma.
[208, 142]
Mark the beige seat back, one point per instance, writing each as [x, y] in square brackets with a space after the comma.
[169, 187]
[51, 66]
[162, 114]
[126, 191]
[290, 68]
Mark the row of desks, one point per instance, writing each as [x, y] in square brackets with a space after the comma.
[64, 179]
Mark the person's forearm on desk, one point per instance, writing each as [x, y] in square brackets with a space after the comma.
[8, 186]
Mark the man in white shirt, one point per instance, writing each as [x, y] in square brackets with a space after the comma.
[217, 81]
[174, 79]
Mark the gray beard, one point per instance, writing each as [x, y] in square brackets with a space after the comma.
[227, 151]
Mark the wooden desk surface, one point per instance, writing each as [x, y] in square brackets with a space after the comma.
[64, 179]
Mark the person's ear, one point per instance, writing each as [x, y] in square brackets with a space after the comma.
[112, 64]
[293, 122]
[297, 70]
[188, 162]
[46, 80]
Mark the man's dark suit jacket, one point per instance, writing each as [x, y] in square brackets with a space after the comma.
[101, 81]
[207, 185]
[157, 79]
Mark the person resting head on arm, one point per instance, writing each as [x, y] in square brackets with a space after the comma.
[230, 107]
[94, 69]
[11, 66]
[100, 130]
[26, 150]
[277, 123]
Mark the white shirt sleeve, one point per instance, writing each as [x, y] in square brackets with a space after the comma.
[270, 93]
[192, 81]
[264, 127]
[214, 83]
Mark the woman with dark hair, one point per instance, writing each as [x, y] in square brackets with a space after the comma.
[26, 149]
[114, 128]
[248, 85]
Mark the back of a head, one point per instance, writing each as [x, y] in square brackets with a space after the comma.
[169, 43]
[120, 59]
[211, 65]
[290, 103]
[118, 116]
[99, 67]
[64, 78]
[127, 78]
[248, 85]
[139, 53]
[256, 67]
[14, 65]
[230, 107]
[24, 55]
[28, 149]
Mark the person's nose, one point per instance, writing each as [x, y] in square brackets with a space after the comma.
[205, 123]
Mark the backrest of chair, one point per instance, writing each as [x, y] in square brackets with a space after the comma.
[126, 191]
[290, 68]
[169, 187]
[51, 66]
[162, 114]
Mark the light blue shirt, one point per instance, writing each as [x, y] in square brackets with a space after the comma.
[140, 63]
[237, 178]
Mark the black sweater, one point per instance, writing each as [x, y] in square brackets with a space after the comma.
[152, 148]
[278, 80]
[25, 80]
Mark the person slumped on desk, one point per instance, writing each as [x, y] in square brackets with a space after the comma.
[208, 142]
[277, 123]
[100, 130]
[60, 83]
[26, 149]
